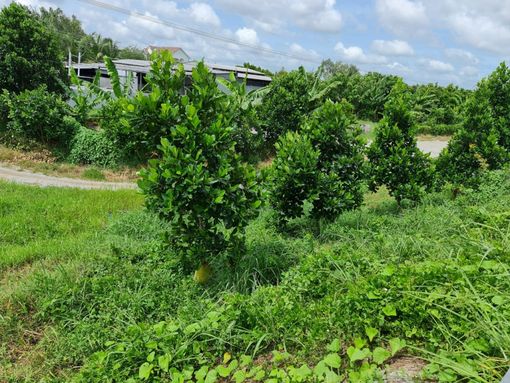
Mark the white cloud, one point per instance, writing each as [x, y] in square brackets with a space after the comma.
[469, 71]
[308, 54]
[356, 55]
[437, 66]
[402, 17]
[461, 55]
[481, 31]
[271, 15]
[247, 36]
[398, 67]
[204, 14]
[392, 48]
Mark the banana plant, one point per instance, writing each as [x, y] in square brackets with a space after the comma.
[87, 98]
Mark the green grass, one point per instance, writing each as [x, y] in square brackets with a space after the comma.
[98, 293]
[94, 174]
[45, 222]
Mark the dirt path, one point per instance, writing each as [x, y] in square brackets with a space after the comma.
[433, 147]
[24, 177]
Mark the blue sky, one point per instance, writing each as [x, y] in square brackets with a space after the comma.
[445, 41]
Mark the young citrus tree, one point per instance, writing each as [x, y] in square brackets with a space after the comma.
[395, 160]
[324, 164]
[333, 131]
[198, 182]
[294, 176]
[483, 142]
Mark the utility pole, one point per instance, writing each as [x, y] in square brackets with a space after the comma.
[69, 63]
[79, 62]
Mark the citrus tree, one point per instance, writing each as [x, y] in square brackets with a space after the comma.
[198, 182]
[395, 160]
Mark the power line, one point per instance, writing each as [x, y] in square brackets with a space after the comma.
[199, 32]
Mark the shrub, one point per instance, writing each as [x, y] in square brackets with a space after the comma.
[199, 183]
[294, 174]
[248, 134]
[333, 133]
[286, 104]
[39, 116]
[4, 110]
[438, 129]
[394, 157]
[90, 147]
[323, 165]
[137, 124]
[484, 140]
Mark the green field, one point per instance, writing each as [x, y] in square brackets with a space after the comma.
[88, 291]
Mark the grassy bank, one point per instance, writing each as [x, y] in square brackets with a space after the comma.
[43, 161]
[89, 292]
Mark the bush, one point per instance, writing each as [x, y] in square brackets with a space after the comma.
[137, 124]
[484, 140]
[39, 116]
[90, 147]
[334, 134]
[438, 129]
[199, 183]
[324, 165]
[394, 157]
[4, 110]
[248, 134]
[286, 104]
[294, 175]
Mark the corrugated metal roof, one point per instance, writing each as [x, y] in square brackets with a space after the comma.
[143, 66]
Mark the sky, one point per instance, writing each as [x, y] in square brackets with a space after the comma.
[443, 41]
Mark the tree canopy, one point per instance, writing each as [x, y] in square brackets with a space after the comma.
[29, 53]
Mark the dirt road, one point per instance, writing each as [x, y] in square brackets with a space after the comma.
[433, 147]
[25, 177]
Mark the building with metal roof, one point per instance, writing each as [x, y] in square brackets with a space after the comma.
[140, 68]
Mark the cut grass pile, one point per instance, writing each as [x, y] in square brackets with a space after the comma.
[94, 304]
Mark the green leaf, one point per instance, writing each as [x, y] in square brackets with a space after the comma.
[356, 354]
[240, 376]
[389, 270]
[212, 376]
[144, 372]
[389, 311]
[320, 369]
[380, 355]
[332, 377]
[332, 360]
[498, 300]
[334, 346]
[371, 333]
[164, 362]
[396, 344]
[359, 342]
[201, 373]
[303, 372]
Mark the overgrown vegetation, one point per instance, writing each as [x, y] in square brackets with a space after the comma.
[120, 306]
[316, 288]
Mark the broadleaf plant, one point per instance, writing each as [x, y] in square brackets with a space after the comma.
[198, 182]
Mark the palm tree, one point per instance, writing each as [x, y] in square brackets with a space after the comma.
[95, 47]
